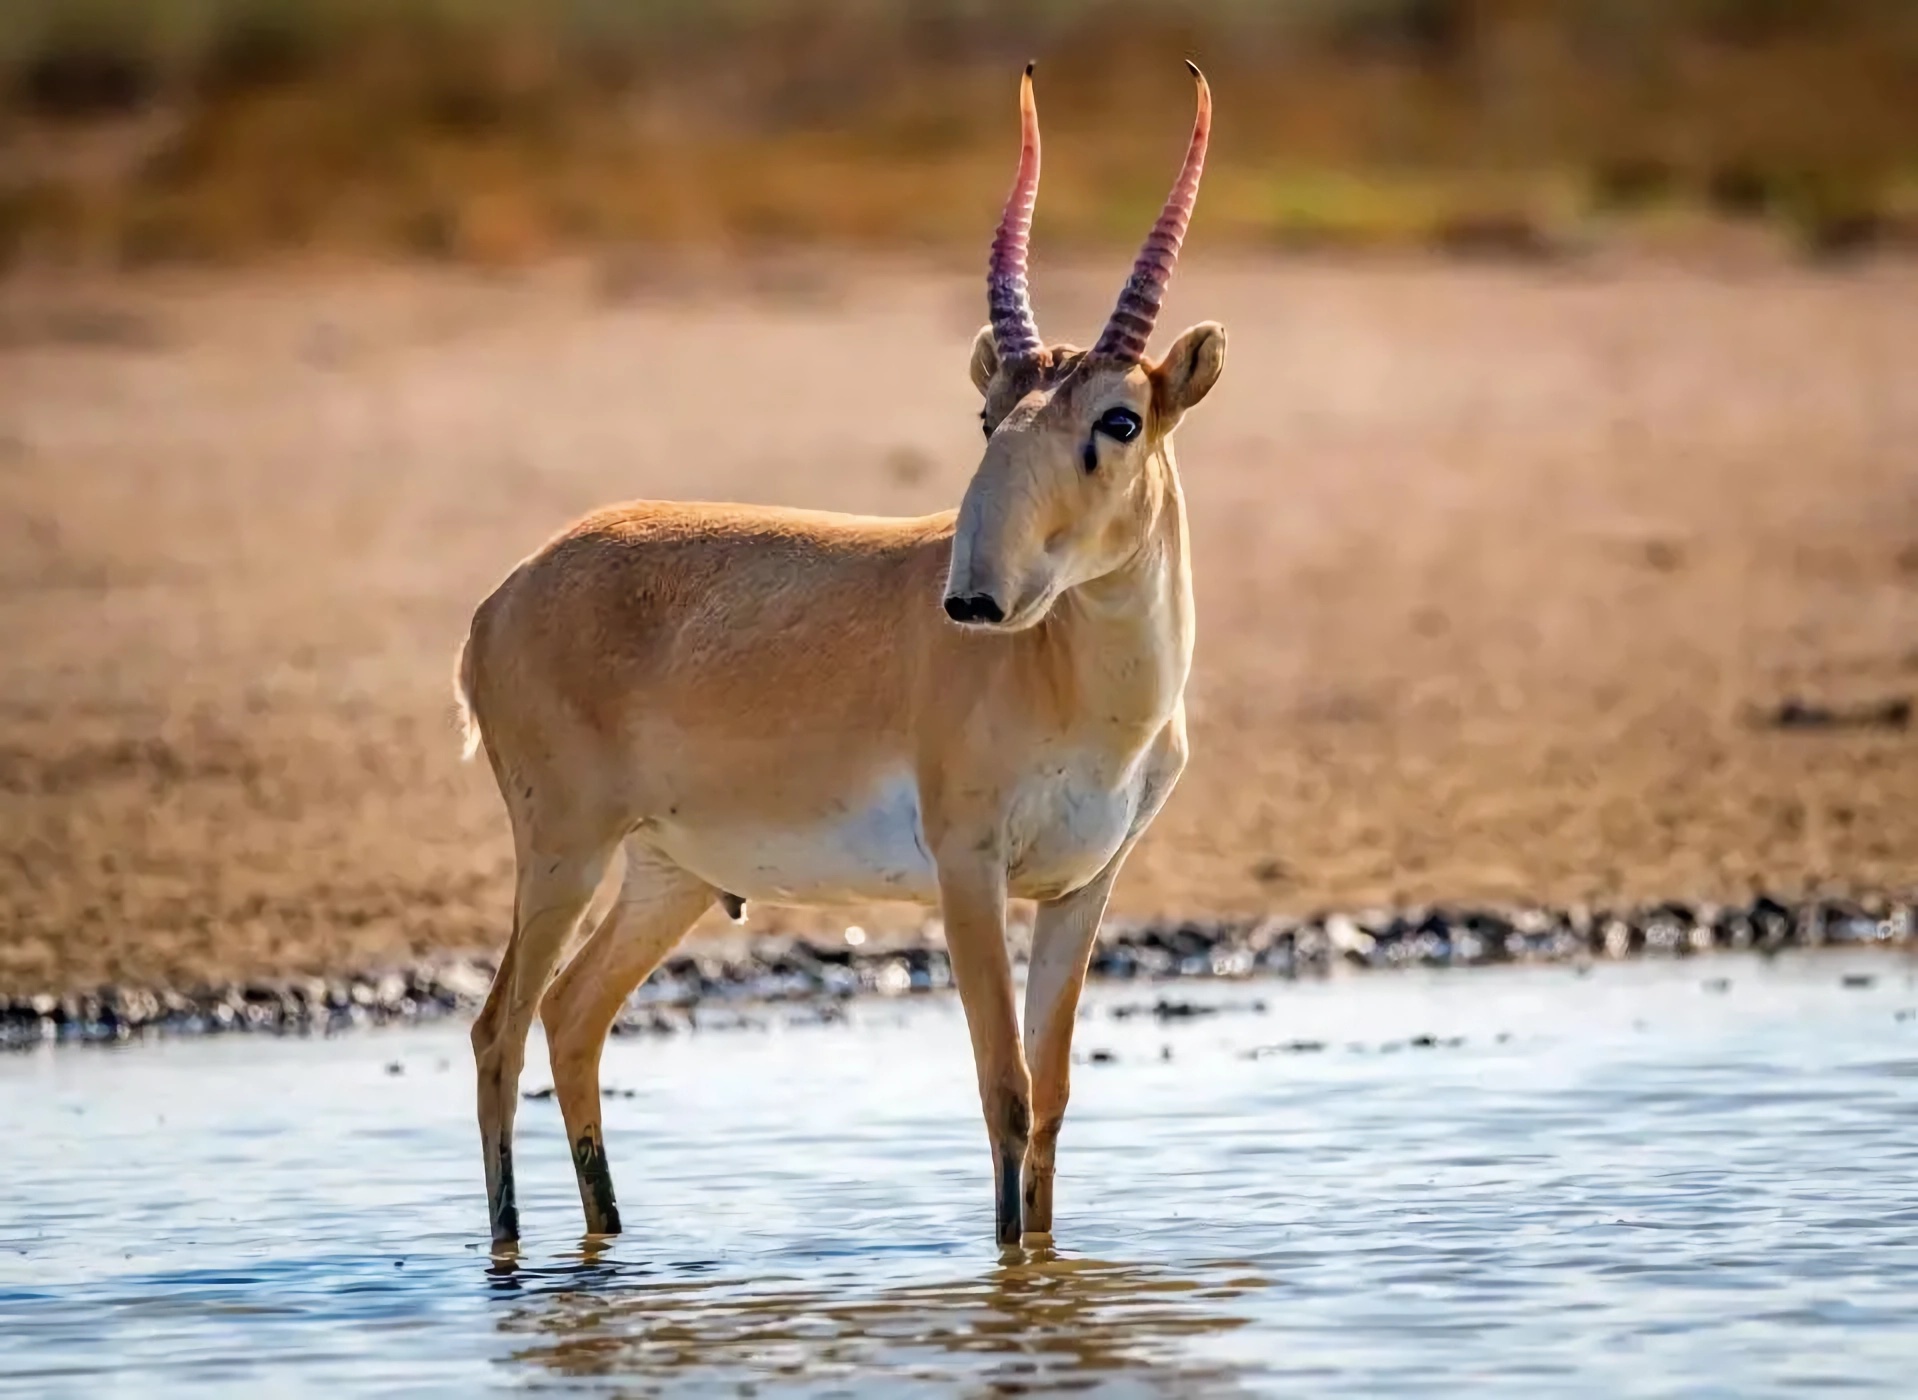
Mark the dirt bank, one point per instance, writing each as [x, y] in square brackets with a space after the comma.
[1506, 577]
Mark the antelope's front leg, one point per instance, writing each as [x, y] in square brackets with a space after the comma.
[972, 890]
[1062, 939]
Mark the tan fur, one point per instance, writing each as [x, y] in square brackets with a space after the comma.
[689, 700]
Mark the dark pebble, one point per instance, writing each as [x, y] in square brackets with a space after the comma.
[1290, 1047]
[1892, 712]
[1164, 1010]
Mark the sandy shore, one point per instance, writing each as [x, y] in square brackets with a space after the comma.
[1501, 573]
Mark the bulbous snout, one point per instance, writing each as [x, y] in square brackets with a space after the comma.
[974, 607]
[998, 567]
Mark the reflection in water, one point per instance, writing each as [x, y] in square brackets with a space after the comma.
[1035, 1319]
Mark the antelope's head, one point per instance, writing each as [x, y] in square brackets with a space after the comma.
[1078, 459]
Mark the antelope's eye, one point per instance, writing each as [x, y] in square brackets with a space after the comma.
[1119, 424]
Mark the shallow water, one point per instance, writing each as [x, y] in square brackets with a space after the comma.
[1637, 1181]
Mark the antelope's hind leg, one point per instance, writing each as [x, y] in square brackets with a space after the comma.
[554, 890]
[657, 903]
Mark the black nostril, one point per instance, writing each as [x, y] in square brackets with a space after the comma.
[984, 608]
[974, 607]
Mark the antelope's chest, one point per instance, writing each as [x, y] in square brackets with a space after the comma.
[1067, 821]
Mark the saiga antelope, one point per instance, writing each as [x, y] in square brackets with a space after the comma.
[738, 702]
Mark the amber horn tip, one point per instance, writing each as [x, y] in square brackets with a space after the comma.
[1033, 63]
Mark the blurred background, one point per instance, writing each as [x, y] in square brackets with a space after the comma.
[1555, 523]
[144, 131]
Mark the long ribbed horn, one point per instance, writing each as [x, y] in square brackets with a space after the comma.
[1014, 332]
[1126, 333]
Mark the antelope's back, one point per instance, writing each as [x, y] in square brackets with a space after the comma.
[695, 617]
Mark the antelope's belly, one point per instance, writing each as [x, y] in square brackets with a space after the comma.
[873, 848]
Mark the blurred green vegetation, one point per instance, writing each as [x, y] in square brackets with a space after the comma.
[137, 131]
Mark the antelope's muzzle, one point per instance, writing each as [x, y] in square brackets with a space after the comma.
[972, 609]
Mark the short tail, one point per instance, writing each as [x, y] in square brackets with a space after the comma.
[463, 700]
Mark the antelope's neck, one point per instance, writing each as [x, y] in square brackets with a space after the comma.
[1127, 637]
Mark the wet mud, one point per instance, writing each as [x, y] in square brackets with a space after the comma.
[1516, 586]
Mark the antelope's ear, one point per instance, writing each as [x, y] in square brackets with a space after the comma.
[1188, 371]
[985, 359]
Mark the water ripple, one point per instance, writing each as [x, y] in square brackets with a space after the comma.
[1558, 1185]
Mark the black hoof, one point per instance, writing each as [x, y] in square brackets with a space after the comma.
[602, 1211]
[503, 1205]
[506, 1229]
[1010, 1213]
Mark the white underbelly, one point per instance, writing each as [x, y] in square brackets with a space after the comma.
[875, 850]
[1061, 831]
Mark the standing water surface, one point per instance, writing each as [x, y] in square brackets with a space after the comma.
[1694, 1178]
